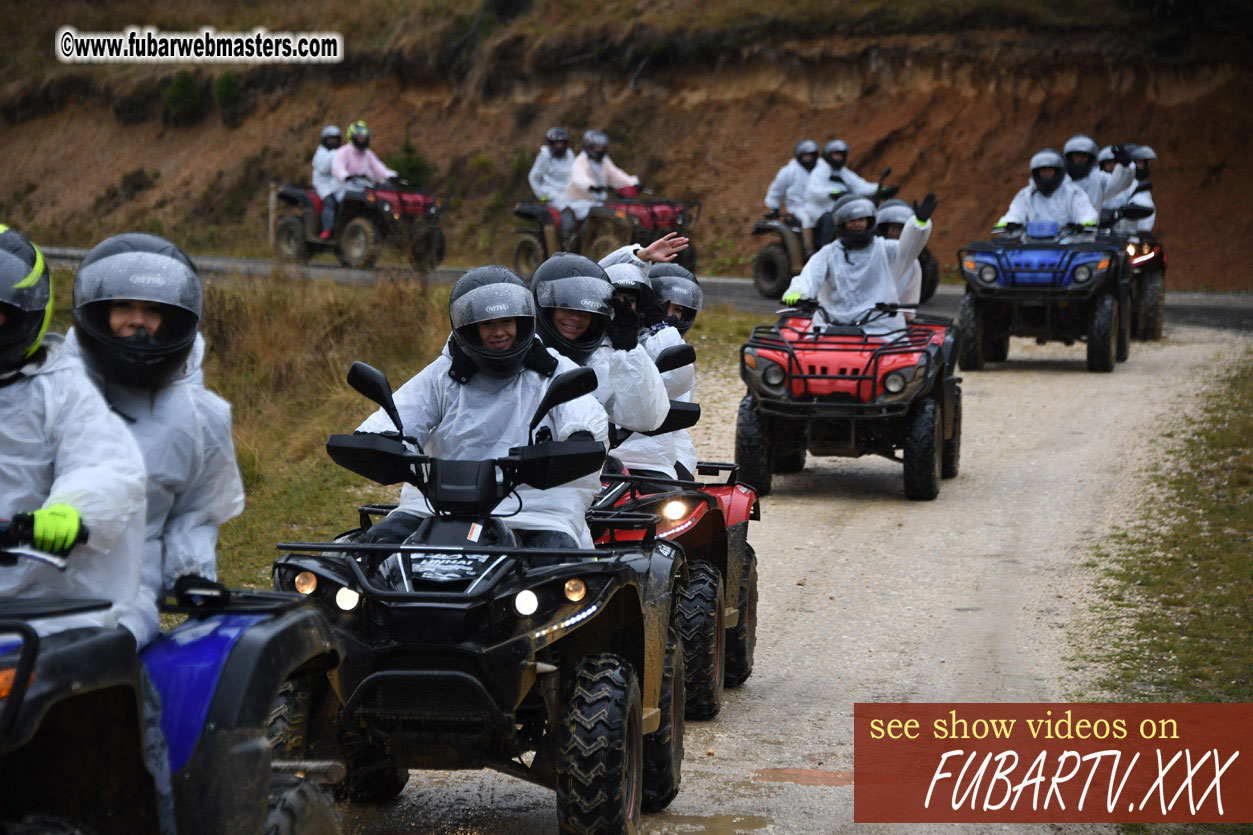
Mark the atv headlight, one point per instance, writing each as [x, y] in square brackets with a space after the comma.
[674, 510]
[987, 274]
[1082, 273]
[773, 375]
[575, 590]
[1131, 249]
[306, 582]
[347, 599]
[526, 603]
[894, 382]
[387, 207]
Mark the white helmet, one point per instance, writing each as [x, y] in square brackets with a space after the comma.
[1080, 143]
[1047, 158]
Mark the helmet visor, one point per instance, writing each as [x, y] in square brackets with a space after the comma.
[491, 301]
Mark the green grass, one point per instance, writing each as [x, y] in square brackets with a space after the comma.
[1178, 590]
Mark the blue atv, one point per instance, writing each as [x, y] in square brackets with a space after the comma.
[84, 715]
[1051, 283]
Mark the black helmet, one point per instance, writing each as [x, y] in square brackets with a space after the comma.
[806, 149]
[673, 284]
[835, 146]
[148, 268]
[331, 137]
[25, 299]
[359, 135]
[1048, 158]
[596, 144]
[1080, 143]
[849, 208]
[483, 294]
[573, 282]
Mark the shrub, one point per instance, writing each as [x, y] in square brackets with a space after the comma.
[228, 95]
[184, 100]
[411, 165]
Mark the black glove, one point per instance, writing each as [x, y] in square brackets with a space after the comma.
[598, 189]
[544, 435]
[772, 214]
[624, 328]
[1120, 154]
[888, 192]
[649, 310]
[924, 210]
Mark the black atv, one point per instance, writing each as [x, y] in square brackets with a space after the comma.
[465, 650]
[1147, 259]
[81, 711]
[1049, 282]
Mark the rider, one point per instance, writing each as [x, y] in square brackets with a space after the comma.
[593, 174]
[551, 172]
[680, 297]
[1050, 196]
[137, 305]
[832, 178]
[580, 317]
[475, 402]
[65, 459]
[1081, 155]
[357, 160]
[858, 270]
[890, 220]
[324, 182]
[789, 185]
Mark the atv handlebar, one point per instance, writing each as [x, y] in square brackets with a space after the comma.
[17, 540]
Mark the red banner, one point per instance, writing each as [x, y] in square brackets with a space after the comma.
[1053, 763]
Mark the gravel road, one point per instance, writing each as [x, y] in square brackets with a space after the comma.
[980, 595]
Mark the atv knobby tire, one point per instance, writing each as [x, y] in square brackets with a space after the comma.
[372, 774]
[359, 243]
[970, 344]
[600, 749]
[772, 270]
[1102, 333]
[951, 461]
[687, 259]
[288, 726]
[930, 275]
[924, 448]
[1152, 307]
[752, 447]
[44, 825]
[528, 254]
[702, 626]
[742, 638]
[299, 807]
[289, 240]
[1123, 348]
[603, 243]
[663, 748]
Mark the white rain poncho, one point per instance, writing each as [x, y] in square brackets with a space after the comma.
[819, 185]
[184, 433]
[846, 283]
[585, 173]
[324, 182]
[1067, 204]
[630, 387]
[789, 186]
[1100, 185]
[1131, 197]
[60, 444]
[550, 175]
[485, 418]
[658, 454]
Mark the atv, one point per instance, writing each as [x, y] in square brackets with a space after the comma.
[1148, 277]
[776, 263]
[841, 391]
[369, 215]
[624, 220]
[718, 607]
[84, 715]
[466, 651]
[1050, 283]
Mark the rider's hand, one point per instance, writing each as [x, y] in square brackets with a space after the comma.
[665, 248]
[1120, 154]
[55, 529]
[792, 297]
[624, 328]
[926, 208]
[887, 192]
[772, 214]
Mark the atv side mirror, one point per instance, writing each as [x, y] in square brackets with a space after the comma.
[1134, 211]
[371, 382]
[676, 356]
[563, 389]
[681, 416]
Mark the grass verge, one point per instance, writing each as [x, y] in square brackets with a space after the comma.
[1177, 590]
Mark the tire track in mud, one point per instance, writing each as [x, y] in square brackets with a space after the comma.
[979, 595]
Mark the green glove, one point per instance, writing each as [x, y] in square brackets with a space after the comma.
[56, 528]
[792, 297]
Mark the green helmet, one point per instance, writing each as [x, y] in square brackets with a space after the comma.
[25, 299]
[359, 134]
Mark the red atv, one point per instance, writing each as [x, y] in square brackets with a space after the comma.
[369, 215]
[718, 604]
[841, 391]
[620, 221]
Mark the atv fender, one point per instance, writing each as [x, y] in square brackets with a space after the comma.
[298, 198]
[737, 502]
